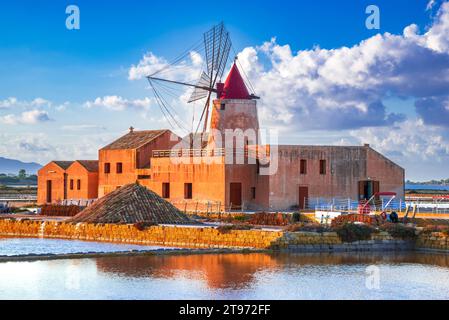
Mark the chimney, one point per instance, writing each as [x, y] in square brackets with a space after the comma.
[131, 129]
[366, 145]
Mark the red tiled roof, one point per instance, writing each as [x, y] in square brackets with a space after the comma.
[63, 164]
[134, 139]
[90, 165]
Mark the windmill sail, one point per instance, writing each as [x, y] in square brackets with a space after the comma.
[200, 93]
[217, 45]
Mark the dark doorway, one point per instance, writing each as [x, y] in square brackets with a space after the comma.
[303, 196]
[187, 191]
[165, 190]
[49, 189]
[368, 188]
[235, 195]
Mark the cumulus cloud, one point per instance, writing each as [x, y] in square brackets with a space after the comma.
[42, 148]
[13, 102]
[185, 70]
[118, 103]
[28, 117]
[410, 139]
[344, 88]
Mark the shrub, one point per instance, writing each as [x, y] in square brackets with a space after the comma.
[350, 232]
[241, 217]
[296, 217]
[229, 227]
[436, 228]
[307, 227]
[350, 218]
[59, 210]
[270, 219]
[399, 231]
[141, 226]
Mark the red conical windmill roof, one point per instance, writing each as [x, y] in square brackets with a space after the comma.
[234, 86]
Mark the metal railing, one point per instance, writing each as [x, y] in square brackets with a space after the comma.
[77, 202]
[177, 153]
[219, 152]
[351, 205]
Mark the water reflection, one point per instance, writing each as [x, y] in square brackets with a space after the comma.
[229, 276]
[239, 270]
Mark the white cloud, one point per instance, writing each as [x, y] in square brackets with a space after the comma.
[344, 88]
[28, 117]
[8, 103]
[13, 102]
[43, 148]
[118, 103]
[185, 70]
[410, 139]
[430, 5]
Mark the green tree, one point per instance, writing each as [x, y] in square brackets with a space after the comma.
[22, 174]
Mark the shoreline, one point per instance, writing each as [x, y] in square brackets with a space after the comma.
[156, 252]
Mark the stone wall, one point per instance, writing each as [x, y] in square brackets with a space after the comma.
[179, 236]
[199, 237]
[433, 241]
[331, 242]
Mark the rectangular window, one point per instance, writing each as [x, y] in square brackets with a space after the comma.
[187, 191]
[165, 190]
[322, 166]
[143, 177]
[119, 168]
[107, 167]
[71, 184]
[78, 184]
[222, 106]
[253, 192]
[303, 166]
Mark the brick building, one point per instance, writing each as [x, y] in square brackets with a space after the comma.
[204, 176]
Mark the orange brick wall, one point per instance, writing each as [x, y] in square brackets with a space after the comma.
[132, 160]
[108, 182]
[89, 182]
[208, 181]
[56, 174]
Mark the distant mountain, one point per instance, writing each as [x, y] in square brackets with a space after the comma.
[442, 182]
[13, 166]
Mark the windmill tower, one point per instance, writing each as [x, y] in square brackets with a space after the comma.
[234, 109]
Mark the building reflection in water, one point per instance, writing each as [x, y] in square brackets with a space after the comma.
[236, 271]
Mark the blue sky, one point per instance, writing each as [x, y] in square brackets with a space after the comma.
[50, 77]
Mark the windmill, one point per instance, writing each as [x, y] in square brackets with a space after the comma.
[215, 45]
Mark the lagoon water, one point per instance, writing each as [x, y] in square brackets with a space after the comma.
[26, 246]
[231, 276]
[426, 187]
